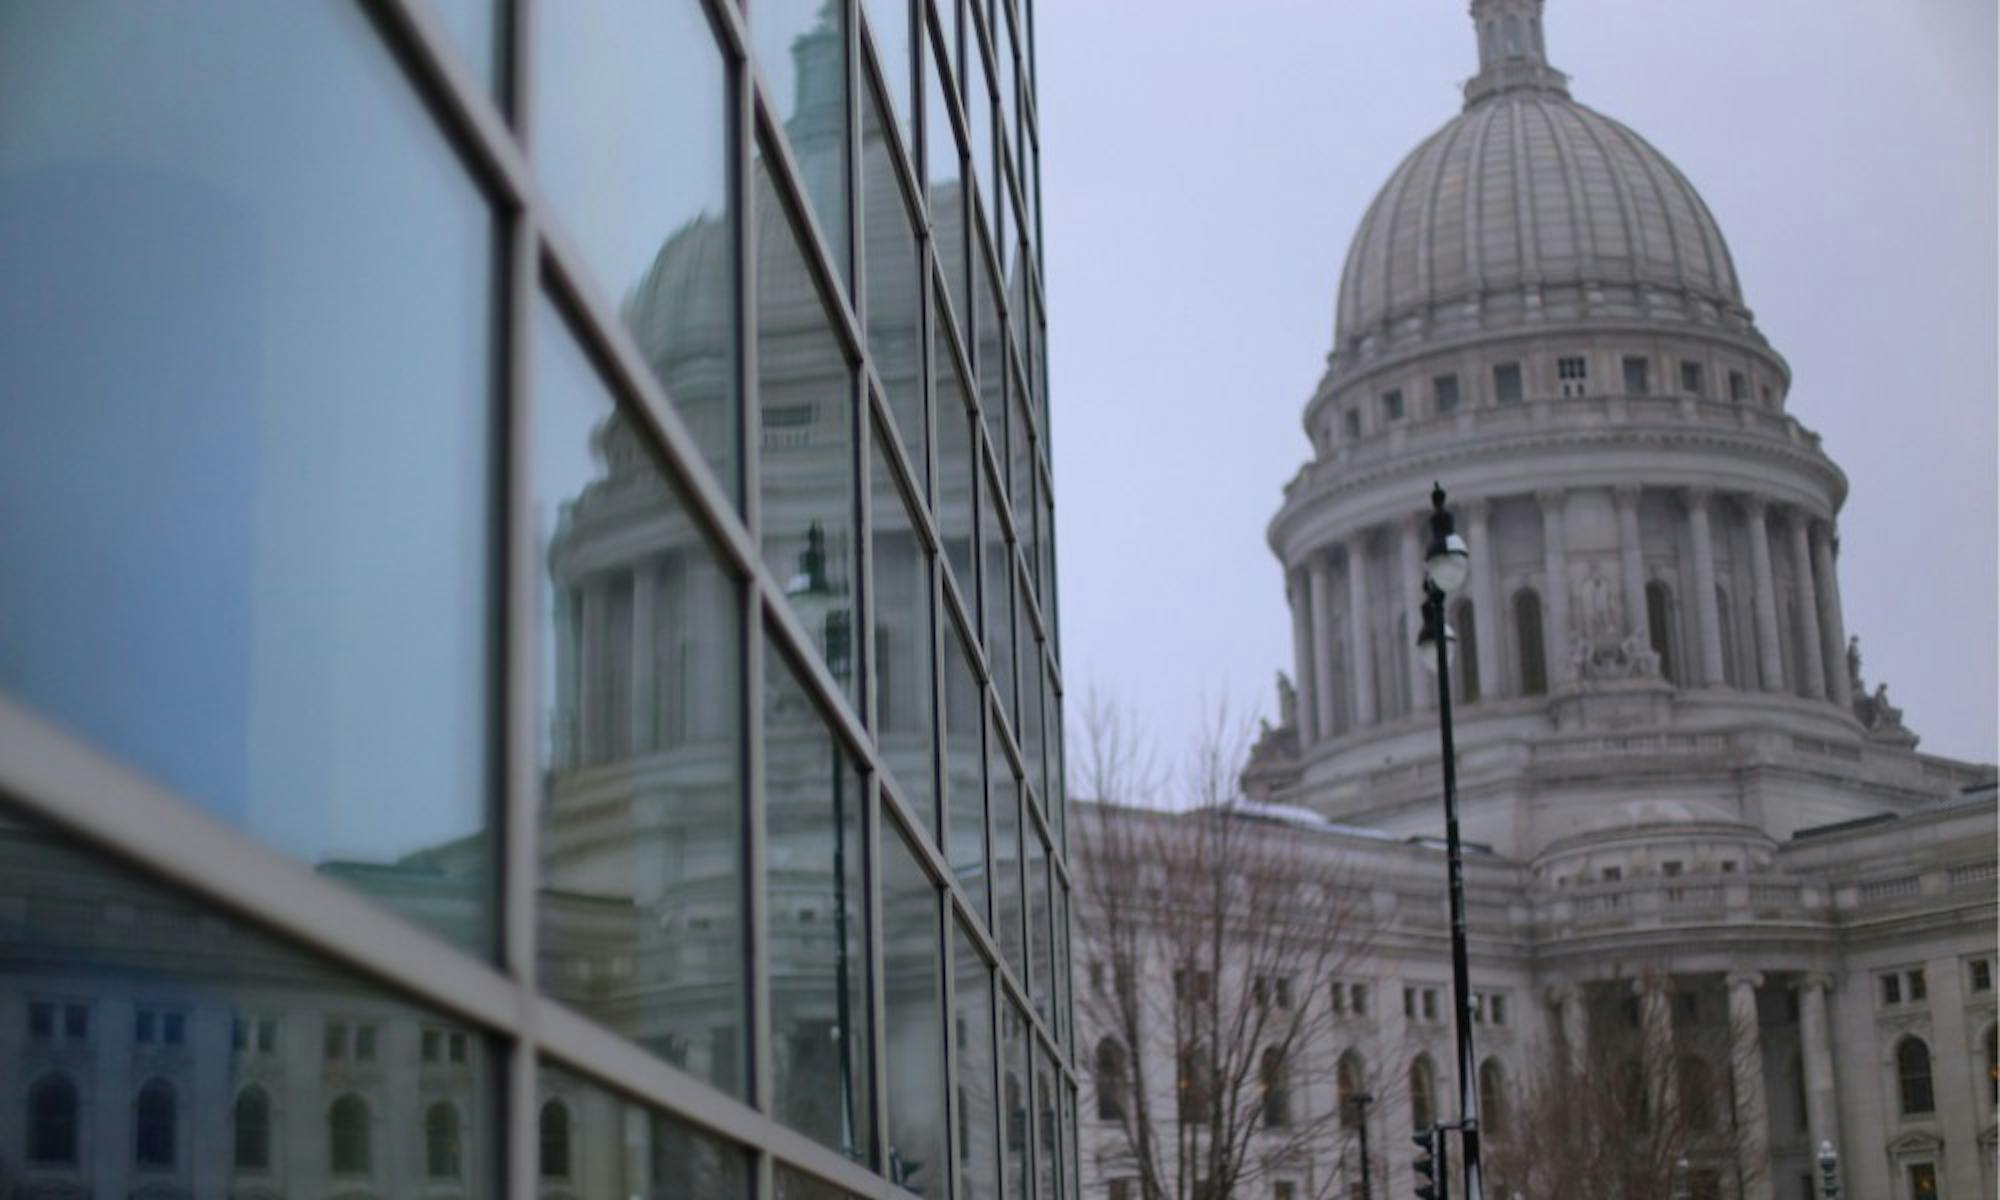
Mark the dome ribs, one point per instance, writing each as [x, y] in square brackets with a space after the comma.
[1433, 196]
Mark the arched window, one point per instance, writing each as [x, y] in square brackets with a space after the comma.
[347, 1136]
[153, 1125]
[1913, 1076]
[1528, 637]
[441, 1153]
[1423, 1096]
[1660, 629]
[1272, 1081]
[253, 1130]
[1493, 1097]
[1697, 1094]
[52, 1121]
[1468, 652]
[1348, 1078]
[1111, 1083]
[555, 1140]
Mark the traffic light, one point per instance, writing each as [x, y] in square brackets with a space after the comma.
[1433, 1182]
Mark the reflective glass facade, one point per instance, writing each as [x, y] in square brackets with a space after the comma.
[527, 647]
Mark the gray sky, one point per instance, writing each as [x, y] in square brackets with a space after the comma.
[1205, 165]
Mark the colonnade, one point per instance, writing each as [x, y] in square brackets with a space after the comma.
[1320, 642]
[1746, 1058]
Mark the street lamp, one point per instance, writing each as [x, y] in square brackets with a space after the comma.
[1446, 563]
[1829, 1171]
[1361, 1101]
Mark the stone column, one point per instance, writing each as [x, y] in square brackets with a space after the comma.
[1656, 1027]
[1707, 618]
[1746, 1068]
[1360, 658]
[1575, 1026]
[639, 695]
[1770, 663]
[1319, 598]
[592, 740]
[1632, 563]
[1485, 598]
[1301, 594]
[1816, 1047]
[1412, 551]
[1833, 634]
[1812, 662]
[1555, 570]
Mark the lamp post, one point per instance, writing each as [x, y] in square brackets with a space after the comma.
[1829, 1172]
[1446, 564]
[1361, 1101]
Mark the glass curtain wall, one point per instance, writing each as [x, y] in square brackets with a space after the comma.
[527, 633]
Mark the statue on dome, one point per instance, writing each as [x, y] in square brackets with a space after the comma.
[1288, 703]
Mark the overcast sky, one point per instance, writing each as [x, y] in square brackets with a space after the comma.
[1205, 165]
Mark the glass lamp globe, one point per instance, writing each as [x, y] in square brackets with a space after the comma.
[1427, 647]
[1448, 562]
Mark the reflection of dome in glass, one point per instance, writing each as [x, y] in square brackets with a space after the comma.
[1532, 205]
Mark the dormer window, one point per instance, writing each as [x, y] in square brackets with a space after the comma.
[1392, 405]
[1638, 376]
[1572, 375]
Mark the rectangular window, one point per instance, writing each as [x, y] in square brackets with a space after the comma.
[173, 1028]
[1507, 383]
[1392, 405]
[1638, 376]
[1612, 874]
[1572, 375]
[1739, 388]
[1497, 1010]
[143, 1024]
[1430, 999]
[1892, 989]
[334, 1045]
[1409, 1002]
[1357, 999]
[267, 1035]
[76, 1021]
[1691, 379]
[1923, 1182]
[1918, 989]
[364, 1043]
[1982, 974]
[1444, 390]
[432, 1046]
[1338, 994]
[1767, 396]
[1352, 422]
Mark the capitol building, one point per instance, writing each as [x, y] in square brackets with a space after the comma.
[1684, 800]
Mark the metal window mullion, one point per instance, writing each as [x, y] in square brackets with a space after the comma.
[782, 169]
[871, 76]
[954, 1150]
[70, 784]
[877, 999]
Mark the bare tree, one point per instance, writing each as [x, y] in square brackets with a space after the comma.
[1644, 1111]
[1211, 932]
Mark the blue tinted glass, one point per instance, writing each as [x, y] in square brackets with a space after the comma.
[632, 123]
[801, 46]
[245, 454]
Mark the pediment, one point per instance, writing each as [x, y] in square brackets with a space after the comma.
[1915, 1144]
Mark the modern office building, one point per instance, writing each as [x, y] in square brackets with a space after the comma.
[527, 646]
[1688, 811]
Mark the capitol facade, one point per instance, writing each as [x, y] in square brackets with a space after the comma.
[1685, 802]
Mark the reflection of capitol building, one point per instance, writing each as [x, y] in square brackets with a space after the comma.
[1664, 737]
[681, 790]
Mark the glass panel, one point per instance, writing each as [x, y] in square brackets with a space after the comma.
[1041, 967]
[972, 1034]
[1004, 799]
[955, 469]
[978, 95]
[903, 680]
[802, 47]
[640, 637]
[912, 982]
[895, 294]
[1014, 275]
[889, 26]
[1069, 1139]
[1045, 578]
[1062, 961]
[988, 365]
[818, 919]
[944, 173]
[598, 1145]
[1046, 1139]
[245, 454]
[966, 802]
[474, 25]
[1003, 56]
[1020, 446]
[998, 608]
[1030, 727]
[632, 146]
[806, 399]
[791, 1185]
[258, 1089]
[1015, 1088]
